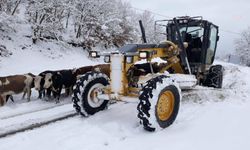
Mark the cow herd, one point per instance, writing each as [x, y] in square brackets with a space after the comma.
[49, 84]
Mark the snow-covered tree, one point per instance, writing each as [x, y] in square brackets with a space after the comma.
[46, 17]
[92, 20]
[103, 22]
[148, 22]
[9, 6]
[127, 30]
[88, 23]
[243, 47]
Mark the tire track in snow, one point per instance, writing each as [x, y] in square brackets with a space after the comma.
[33, 111]
[37, 125]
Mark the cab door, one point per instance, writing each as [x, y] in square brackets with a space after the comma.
[212, 44]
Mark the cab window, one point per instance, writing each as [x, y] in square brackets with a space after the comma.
[212, 45]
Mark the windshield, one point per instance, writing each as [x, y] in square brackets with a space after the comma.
[191, 32]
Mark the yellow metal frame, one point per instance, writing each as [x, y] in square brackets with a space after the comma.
[169, 53]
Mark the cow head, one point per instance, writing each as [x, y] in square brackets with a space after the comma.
[48, 80]
[38, 82]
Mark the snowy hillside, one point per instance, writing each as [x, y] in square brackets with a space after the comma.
[28, 57]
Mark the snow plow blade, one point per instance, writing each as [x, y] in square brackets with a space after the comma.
[185, 81]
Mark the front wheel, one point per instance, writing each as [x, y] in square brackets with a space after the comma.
[87, 90]
[159, 103]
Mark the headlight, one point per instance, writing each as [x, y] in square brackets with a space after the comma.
[107, 59]
[129, 59]
[143, 54]
[93, 54]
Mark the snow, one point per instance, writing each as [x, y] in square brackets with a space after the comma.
[208, 118]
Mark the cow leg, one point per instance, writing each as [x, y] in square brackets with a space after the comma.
[9, 96]
[48, 94]
[40, 94]
[24, 93]
[44, 93]
[70, 90]
[54, 94]
[28, 94]
[2, 100]
[58, 94]
[67, 91]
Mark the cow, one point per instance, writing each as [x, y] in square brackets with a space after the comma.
[39, 81]
[103, 68]
[15, 84]
[138, 70]
[83, 70]
[60, 79]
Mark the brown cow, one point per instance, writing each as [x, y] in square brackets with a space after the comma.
[103, 68]
[15, 84]
[138, 70]
[83, 70]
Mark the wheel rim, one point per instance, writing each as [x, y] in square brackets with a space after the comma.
[165, 105]
[93, 99]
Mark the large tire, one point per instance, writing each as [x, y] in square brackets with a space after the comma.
[159, 103]
[214, 77]
[84, 93]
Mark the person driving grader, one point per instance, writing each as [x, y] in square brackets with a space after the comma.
[156, 86]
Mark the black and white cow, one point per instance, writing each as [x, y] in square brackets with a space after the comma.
[60, 79]
[39, 81]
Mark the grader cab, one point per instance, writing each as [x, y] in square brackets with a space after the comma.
[153, 73]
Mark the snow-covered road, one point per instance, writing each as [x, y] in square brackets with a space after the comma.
[208, 119]
[213, 125]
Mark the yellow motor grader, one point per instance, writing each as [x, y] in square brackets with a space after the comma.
[154, 73]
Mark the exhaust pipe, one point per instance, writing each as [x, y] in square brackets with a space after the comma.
[144, 40]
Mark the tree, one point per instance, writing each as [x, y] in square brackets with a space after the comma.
[87, 23]
[46, 18]
[9, 6]
[243, 47]
[126, 30]
[148, 22]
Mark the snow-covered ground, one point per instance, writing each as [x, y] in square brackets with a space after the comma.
[208, 118]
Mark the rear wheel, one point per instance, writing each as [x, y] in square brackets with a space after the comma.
[159, 103]
[214, 77]
[86, 91]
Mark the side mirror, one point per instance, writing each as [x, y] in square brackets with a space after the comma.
[218, 37]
